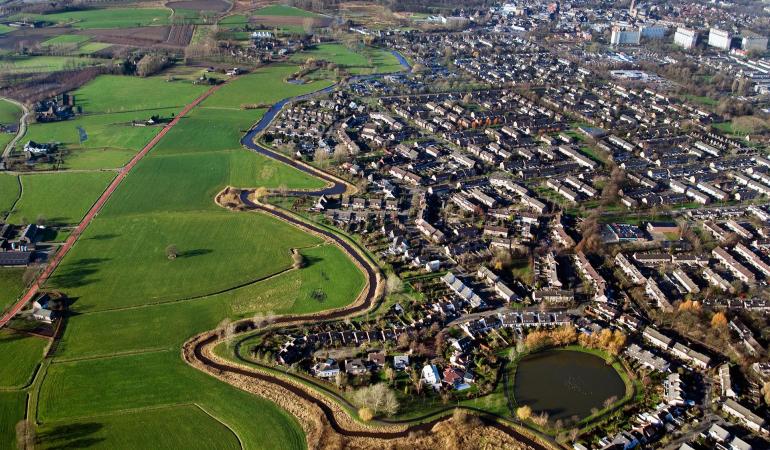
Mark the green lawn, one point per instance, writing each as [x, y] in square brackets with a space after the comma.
[172, 427]
[19, 354]
[107, 17]
[11, 285]
[284, 10]
[9, 192]
[9, 112]
[60, 198]
[30, 64]
[12, 406]
[5, 29]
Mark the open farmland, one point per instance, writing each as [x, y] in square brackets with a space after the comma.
[59, 198]
[19, 356]
[200, 5]
[34, 64]
[284, 10]
[11, 285]
[369, 60]
[9, 192]
[135, 306]
[110, 104]
[12, 406]
[182, 426]
[107, 18]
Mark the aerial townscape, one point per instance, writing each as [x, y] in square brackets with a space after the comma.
[385, 224]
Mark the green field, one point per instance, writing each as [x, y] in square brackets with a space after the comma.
[5, 29]
[135, 307]
[18, 358]
[9, 192]
[60, 198]
[12, 405]
[11, 285]
[183, 426]
[65, 39]
[110, 104]
[33, 64]
[284, 10]
[106, 18]
[154, 394]
[367, 60]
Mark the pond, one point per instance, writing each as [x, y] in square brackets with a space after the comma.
[565, 383]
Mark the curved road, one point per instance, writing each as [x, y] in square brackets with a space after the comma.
[22, 127]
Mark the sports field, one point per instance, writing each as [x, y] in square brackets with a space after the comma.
[118, 362]
[58, 198]
[19, 356]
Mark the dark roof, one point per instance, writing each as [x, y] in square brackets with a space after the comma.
[15, 258]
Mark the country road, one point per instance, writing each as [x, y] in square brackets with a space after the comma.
[22, 127]
[95, 208]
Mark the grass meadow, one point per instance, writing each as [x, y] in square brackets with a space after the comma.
[11, 285]
[117, 369]
[12, 406]
[19, 357]
[9, 114]
[41, 64]
[106, 18]
[9, 192]
[367, 60]
[284, 10]
[59, 198]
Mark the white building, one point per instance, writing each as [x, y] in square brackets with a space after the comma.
[622, 36]
[685, 38]
[719, 39]
[431, 376]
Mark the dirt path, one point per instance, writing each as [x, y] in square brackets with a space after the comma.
[97, 206]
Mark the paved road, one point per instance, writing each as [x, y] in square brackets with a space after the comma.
[97, 206]
[22, 127]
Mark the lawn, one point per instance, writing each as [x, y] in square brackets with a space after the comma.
[19, 354]
[9, 192]
[11, 285]
[702, 99]
[182, 426]
[12, 406]
[108, 17]
[284, 10]
[92, 47]
[59, 198]
[9, 112]
[30, 64]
